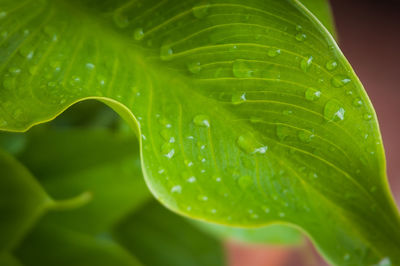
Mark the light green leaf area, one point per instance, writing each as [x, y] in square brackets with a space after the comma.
[248, 113]
[270, 235]
[322, 10]
[160, 238]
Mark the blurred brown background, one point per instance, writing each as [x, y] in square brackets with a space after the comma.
[369, 36]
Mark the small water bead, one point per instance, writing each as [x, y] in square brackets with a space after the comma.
[217, 179]
[238, 98]
[201, 11]
[202, 197]
[299, 27]
[313, 175]
[281, 214]
[245, 181]
[301, 36]
[306, 63]
[191, 179]
[357, 102]
[331, 65]
[201, 120]
[90, 66]
[367, 117]
[346, 256]
[312, 94]
[248, 144]
[306, 136]
[14, 71]
[166, 52]
[120, 20]
[188, 163]
[168, 150]
[282, 132]
[273, 52]
[138, 34]
[334, 111]
[194, 67]
[213, 211]
[340, 80]
[176, 189]
[241, 69]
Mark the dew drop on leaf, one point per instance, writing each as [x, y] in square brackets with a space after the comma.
[367, 117]
[191, 179]
[201, 11]
[201, 120]
[168, 150]
[331, 65]
[90, 66]
[241, 69]
[305, 63]
[357, 102]
[250, 145]
[340, 80]
[138, 34]
[194, 67]
[334, 111]
[301, 36]
[282, 132]
[120, 20]
[238, 98]
[273, 52]
[312, 94]
[3, 14]
[176, 189]
[166, 52]
[305, 136]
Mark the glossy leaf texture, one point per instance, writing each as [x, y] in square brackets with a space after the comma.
[248, 113]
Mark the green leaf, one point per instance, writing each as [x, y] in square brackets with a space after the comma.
[105, 165]
[248, 113]
[322, 11]
[49, 244]
[22, 201]
[272, 234]
[6, 259]
[160, 238]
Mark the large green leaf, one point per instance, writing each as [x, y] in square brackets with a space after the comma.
[248, 113]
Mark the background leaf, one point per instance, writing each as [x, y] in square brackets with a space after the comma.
[248, 113]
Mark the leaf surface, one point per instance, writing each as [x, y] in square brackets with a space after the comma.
[248, 113]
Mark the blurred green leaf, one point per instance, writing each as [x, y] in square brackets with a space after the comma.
[160, 238]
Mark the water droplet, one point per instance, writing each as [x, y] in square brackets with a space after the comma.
[202, 197]
[3, 14]
[312, 94]
[301, 36]
[191, 179]
[273, 52]
[346, 256]
[201, 120]
[299, 27]
[90, 66]
[367, 117]
[168, 150]
[306, 63]
[213, 211]
[194, 67]
[334, 111]
[340, 80]
[138, 34]
[281, 214]
[241, 69]
[238, 98]
[331, 65]
[245, 181]
[176, 189]
[282, 132]
[14, 71]
[166, 52]
[306, 136]
[312, 175]
[217, 179]
[120, 20]
[201, 11]
[357, 102]
[248, 144]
